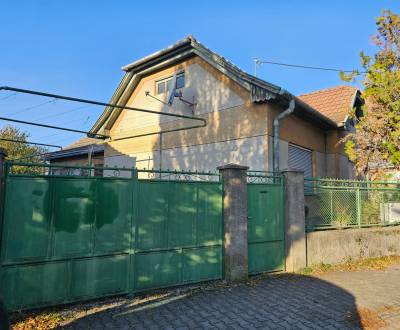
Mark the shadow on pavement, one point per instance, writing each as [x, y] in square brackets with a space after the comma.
[281, 301]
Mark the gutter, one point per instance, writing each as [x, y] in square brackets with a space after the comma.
[276, 129]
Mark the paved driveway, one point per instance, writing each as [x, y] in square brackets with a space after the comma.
[335, 300]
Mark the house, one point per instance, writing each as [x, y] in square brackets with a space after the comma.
[84, 152]
[249, 121]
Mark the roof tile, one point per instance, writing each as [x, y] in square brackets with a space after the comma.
[335, 102]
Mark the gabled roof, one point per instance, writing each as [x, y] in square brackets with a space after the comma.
[78, 148]
[260, 90]
[335, 102]
[82, 142]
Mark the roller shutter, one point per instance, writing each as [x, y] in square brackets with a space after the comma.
[300, 159]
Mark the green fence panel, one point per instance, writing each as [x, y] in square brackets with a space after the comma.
[76, 238]
[151, 223]
[74, 214]
[182, 214]
[69, 240]
[209, 224]
[333, 204]
[35, 285]
[93, 277]
[157, 269]
[27, 230]
[184, 221]
[265, 226]
[114, 215]
[266, 257]
[201, 264]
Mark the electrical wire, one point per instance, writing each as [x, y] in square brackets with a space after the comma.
[29, 142]
[8, 96]
[31, 107]
[85, 124]
[299, 66]
[61, 113]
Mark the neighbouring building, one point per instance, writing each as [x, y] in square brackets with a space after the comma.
[239, 110]
[84, 152]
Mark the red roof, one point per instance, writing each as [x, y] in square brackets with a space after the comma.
[335, 102]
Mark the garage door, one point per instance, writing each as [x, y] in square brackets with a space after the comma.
[300, 159]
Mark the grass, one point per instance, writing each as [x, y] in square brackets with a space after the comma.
[380, 263]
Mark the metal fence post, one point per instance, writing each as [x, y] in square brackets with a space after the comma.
[3, 155]
[331, 205]
[358, 207]
[133, 239]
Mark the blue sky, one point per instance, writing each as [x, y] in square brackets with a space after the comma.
[77, 48]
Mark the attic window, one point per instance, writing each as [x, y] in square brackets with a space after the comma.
[165, 85]
[180, 80]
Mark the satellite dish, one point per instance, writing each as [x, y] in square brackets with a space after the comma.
[173, 91]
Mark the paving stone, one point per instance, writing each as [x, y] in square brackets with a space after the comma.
[275, 302]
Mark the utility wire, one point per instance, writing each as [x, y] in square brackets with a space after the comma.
[85, 120]
[8, 96]
[61, 113]
[29, 142]
[31, 107]
[258, 62]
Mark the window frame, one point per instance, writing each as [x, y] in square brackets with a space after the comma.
[166, 79]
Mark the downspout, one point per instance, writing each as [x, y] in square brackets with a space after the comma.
[276, 122]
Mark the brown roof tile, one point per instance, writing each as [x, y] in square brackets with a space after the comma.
[334, 102]
[85, 141]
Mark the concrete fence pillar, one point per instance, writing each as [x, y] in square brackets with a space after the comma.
[295, 233]
[235, 221]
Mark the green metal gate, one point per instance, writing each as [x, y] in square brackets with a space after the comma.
[265, 223]
[70, 234]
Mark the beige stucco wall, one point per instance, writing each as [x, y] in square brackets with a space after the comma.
[237, 130]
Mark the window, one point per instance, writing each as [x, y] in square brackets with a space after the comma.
[300, 159]
[162, 86]
[166, 85]
[180, 80]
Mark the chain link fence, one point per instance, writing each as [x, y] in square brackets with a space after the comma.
[345, 203]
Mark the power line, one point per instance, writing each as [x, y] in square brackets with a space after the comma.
[33, 143]
[258, 62]
[8, 96]
[31, 107]
[61, 113]
[85, 120]
[112, 107]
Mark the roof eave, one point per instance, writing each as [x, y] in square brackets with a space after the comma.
[314, 115]
[78, 151]
[155, 56]
[260, 90]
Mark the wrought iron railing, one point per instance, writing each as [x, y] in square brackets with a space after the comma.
[174, 175]
[351, 203]
[60, 170]
[264, 177]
